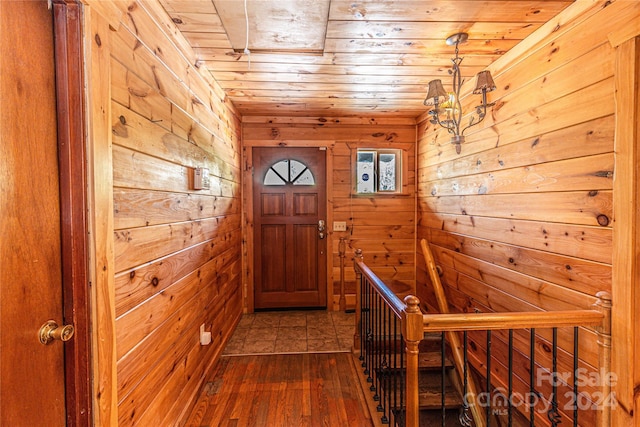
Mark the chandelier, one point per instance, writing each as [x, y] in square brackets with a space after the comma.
[447, 109]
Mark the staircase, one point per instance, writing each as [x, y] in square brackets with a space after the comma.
[432, 381]
[413, 385]
[387, 384]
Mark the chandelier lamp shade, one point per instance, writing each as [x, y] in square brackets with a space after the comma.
[447, 109]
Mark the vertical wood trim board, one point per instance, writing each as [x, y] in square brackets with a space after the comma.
[100, 197]
[626, 234]
[70, 94]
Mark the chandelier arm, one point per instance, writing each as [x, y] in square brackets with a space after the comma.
[449, 128]
[481, 111]
[473, 122]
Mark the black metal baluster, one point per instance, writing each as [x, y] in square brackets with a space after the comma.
[553, 415]
[384, 388]
[363, 310]
[443, 349]
[369, 357]
[391, 372]
[510, 391]
[375, 350]
[532, 376]
[403, 379]
[488, 408]
[368, 335]
[575, 376]
[395, 371]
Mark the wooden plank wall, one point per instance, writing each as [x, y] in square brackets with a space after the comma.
[522, 219]
[177, 250]
[382, 226]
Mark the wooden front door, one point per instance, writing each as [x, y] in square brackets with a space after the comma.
[289, 205]
[32, 383]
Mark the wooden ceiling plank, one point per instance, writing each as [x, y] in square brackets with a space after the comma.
[248, 120]
[222, 77]
[334, 101]
[304, 110]
[340, 70]
[324, 87]
[428, 30]
[188, 6]
[202, 22]
[424, 47]
[208, 40]
[218, 56]
[276, 96]
[447, 10]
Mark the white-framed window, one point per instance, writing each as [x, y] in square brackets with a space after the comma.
[378, 171]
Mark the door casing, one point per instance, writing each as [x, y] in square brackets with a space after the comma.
[70, 96]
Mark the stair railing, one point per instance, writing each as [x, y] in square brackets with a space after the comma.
[384, 324]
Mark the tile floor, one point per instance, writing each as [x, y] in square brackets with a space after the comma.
[282, 332]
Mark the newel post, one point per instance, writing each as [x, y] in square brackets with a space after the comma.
[603, 305]
[356, 335]
[413, 333]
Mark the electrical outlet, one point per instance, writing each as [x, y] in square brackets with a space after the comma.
[339, 226]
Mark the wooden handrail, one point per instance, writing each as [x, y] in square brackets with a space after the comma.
[510, 320]
[387, 294]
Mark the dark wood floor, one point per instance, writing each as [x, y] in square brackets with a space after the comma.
[287, 390]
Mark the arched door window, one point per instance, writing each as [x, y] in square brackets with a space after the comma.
[289, 171]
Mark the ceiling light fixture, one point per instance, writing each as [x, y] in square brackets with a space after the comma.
[447, 109]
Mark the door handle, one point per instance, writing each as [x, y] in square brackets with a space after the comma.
[50, 331]
[321, 229]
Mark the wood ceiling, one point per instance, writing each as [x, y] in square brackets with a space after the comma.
[374, 57]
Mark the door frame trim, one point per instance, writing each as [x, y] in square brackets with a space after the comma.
[70, 96]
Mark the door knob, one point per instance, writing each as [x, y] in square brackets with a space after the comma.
[321, 229]
[50, 331]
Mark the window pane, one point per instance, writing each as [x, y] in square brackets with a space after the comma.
[305, 178]
[387, 172]
[365, 173]
[282, 168]
[296, 169]
[272, 178]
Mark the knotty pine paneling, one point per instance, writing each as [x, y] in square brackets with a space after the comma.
[383, 226]
[522, 219]
[177, 250]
